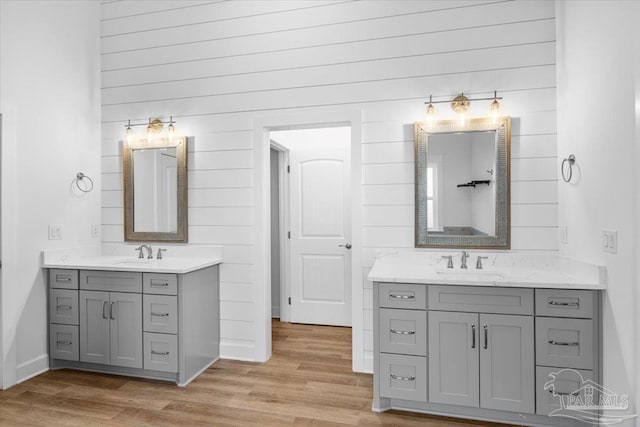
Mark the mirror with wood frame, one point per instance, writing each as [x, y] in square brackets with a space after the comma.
[155, 190]
[462, 189]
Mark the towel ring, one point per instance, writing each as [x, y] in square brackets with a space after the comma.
[571, 160]
[80, 177]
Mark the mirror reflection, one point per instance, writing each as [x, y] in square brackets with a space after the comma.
[155, 193]
[462, 184]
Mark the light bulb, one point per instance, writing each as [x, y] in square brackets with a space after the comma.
[495, 109]
[430, 114]
[128, 133]
[171, 131]
[462, 118]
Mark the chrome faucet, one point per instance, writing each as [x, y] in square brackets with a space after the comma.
[149, 251]
[449, 260]
[465, 255]
[160, 250]
[479, 262]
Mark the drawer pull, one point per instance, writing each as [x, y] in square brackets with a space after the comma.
[572, 344]
[159, 284]
[559, 393]
[565, 304]
[394, 296]
[395, 331]
[64, 307]
[486, 336]
[64, 342]
[63, 279]
[398, 377]
[159, 314]
[104, 313]
[160, 353]
[473, 335]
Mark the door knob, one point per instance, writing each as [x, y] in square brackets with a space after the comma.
[348, 246]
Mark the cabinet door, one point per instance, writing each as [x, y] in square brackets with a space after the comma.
[125, 313]
[94, 327]
[453, 358]
[507, 368]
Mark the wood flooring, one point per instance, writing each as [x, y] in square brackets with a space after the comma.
[307, 382]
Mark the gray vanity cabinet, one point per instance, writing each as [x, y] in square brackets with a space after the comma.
[111, 328]
[481, 360]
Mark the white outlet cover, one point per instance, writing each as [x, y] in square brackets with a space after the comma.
[610, 241]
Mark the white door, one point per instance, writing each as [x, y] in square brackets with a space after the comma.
[320, 237]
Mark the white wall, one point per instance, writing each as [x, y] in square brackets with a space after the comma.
[274, 175]
[50, 102]
[219, 67]
[597, 97]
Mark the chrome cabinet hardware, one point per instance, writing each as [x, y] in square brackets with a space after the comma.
[395, 331]
[112, 311]
[398, 377]
[64, 307]
[560, 393]
[449, 259]
[571, 344]
[64, 342]
[486, 336]
[346, 246]
[104, 313]
[565, 304]
[479, 262]
[63, 279]
[473, 336]
[159, 314]
[160, 353]
[159, 284]
[394, 296]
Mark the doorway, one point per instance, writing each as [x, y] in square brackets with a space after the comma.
[311, 236]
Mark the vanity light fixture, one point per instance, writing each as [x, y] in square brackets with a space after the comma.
[460, 105]
[154, 129]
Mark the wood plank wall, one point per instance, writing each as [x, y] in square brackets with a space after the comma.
[217, 65]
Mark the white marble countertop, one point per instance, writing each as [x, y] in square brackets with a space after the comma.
[522, 270]
[177, 259]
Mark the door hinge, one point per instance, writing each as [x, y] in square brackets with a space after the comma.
[288, 169]
[288, 234]
[289, 300]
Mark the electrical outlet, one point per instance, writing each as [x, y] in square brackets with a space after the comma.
[610, 241]
[564, 234]
[94, 230]
[55, 232]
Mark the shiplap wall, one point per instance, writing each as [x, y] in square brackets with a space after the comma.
[216, 66]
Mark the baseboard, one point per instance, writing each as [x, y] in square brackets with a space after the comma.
[238, 351]
[275, 311]
[32, 368]
[368, 364]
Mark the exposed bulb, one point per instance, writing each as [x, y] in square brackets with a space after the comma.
[430, 114]
[171, 131]
[495, 109]
[462, 118]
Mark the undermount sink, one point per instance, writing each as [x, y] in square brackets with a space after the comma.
[134, 261]
[471, 274]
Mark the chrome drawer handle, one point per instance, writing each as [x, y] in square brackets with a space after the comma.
[398, 377]
[572, 344]
[64, 307]
[160, 314]
[394, 331]
[64, 342]
[160, 353]
[565, 304]
[563, 394]
[104, 313]
[63, 279]
[160, 285]
[394, 296]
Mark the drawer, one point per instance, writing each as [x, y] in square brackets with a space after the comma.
[63, 279]
[481, 299]
[63, 342]
[403, 295]
[565, 303]
[162, 284]
[63, 306]
[403, 377]
[560, 385]
[111, 281]
[403, 331]
[160, 313]
[566, 343]
[160, 352]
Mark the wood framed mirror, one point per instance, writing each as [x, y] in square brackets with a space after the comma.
[155, 190]
[462, 184]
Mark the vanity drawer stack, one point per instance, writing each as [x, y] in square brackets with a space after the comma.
[160, 321]
[63, 314]
[567, 339]
[403, 341]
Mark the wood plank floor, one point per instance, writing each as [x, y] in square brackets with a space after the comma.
[307, 381]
